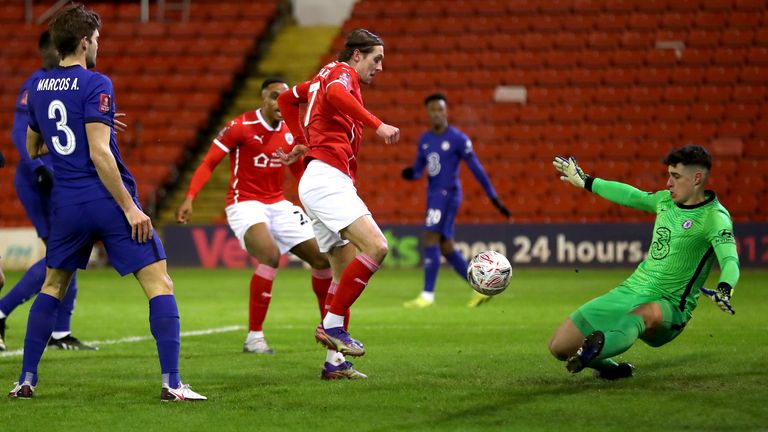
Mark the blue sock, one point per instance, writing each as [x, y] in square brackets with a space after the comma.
[165, 326]
[42, 316]
[67, 306]
[431, 267]
[29, 285]
[459, 263]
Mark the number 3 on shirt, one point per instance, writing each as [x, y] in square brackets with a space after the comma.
[57, 109]
[313, 88]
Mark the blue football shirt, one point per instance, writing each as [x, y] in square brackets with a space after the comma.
[27, 166]
[441, 155]
[61, 102]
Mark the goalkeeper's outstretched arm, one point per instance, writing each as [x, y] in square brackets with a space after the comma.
[617, 192]
[724, 243]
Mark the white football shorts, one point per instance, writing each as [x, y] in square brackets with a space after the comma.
[288, 223]
[331, 201]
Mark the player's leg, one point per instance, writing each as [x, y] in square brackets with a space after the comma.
[26, 288]
[292, 231]
[336, 365]
[68, 248]
[580, 340]
[249, 221]
[340, 216]
[40, 322]
[62, 337]
[366, 236]
[322, 276]
[147, 262]
[165, 326]
[431, 265]
[260, 245]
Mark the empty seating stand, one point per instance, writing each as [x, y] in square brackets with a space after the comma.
[615, 81]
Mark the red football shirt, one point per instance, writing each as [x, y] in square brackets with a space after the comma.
[255, 175]
[334, 129]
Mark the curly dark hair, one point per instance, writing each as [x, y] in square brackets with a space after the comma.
[690, 154]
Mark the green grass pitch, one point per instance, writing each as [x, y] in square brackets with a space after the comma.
[443, 368]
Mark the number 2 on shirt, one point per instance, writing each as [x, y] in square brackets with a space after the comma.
[313, 88]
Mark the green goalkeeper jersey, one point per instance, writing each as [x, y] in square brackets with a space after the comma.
[686, 241]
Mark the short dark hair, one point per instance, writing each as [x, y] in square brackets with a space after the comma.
[271, 80]
[434, 97]
[690, 154]
[45, 40]
[70, 25]
[361, 40]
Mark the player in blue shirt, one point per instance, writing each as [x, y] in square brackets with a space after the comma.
[33, 182]
[94, 199]
[440, 151]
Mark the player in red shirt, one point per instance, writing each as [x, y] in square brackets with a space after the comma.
[265, 223]
[335, 118]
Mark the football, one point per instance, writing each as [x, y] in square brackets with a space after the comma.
[489, 273]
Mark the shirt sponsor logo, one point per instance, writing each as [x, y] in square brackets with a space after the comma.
[105, 102]
[660, 245]
[687, 224]
[725, 236]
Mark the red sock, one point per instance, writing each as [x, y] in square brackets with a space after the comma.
[353, 282]
[261, 294]
[329, 299]
[321, 282]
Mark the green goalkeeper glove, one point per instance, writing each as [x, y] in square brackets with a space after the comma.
[721, 296]
[570, 171]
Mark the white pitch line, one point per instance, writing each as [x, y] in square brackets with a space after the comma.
[131, 339]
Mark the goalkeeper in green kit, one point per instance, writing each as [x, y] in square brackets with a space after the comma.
[654, 304]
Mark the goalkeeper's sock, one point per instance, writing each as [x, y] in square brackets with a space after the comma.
[622, 336]
[459, 263]
[604, 364]
[431, 267]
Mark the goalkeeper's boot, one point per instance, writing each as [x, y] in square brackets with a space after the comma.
[622, 370]
[183, 393]
[338, 339]
[590, 349]
[257, 346]
[478, 299]
[70, 342]
[342, 371]
[2, 334]
[418, 303]
[22, 391]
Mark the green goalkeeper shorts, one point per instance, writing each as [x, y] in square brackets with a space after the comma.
[604, 312]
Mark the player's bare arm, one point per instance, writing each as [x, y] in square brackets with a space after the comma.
[35, 146]
[106, 167]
